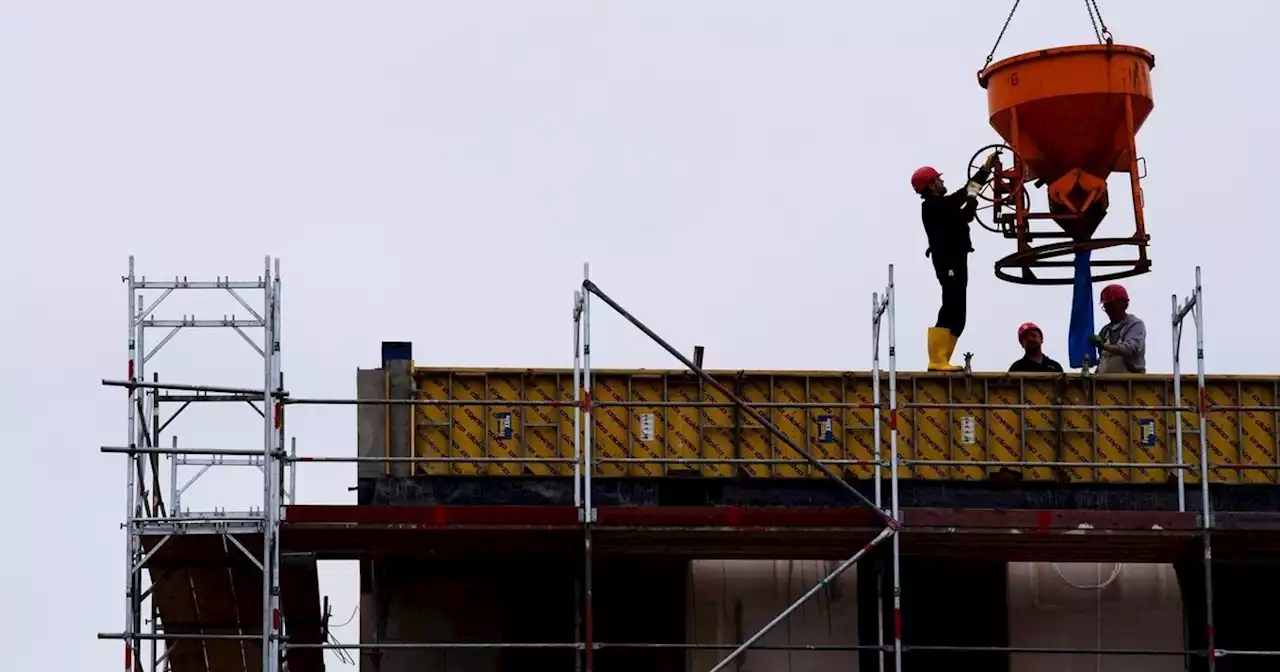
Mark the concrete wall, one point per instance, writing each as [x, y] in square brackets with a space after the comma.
[730, 599]
[1049, 606]
[725, 601]
[1095, 606]
[519, 600]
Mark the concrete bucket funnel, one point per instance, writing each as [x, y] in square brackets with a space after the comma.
[1068, 116]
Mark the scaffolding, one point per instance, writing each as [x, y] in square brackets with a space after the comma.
[150, 524]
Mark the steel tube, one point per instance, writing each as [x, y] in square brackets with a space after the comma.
[715, 460]
[1206, 513]
[746, 408]
[126, 450]
[437, 645]
[872, 647]
[588, 466]
[1042, 407]
[212, 389]
[447, 460]
[892, 308]
[877, 310]
[192, 323]
[730, 404]
[315, 401]
[147, 636]
[799, 602]
[206, 398]
[1056, 650]
[1177, 400]
[757, 647]
[130, 586]
[188, 519]
[577, 398]
[268, 532]
[1030, 463]
[197, 284]
[272, 349]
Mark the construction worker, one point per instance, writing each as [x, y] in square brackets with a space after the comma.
[1122, 343]
[1034, 359]
[946, 220]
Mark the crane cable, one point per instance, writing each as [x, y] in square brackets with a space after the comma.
[1100, 29]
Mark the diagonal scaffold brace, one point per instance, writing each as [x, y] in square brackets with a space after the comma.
[889, 521]
[892, 525]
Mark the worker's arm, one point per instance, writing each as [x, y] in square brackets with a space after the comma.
[979, 180]
[960, 200]
[1134, 338]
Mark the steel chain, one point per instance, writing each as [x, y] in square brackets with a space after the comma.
[1100, 29]
[999, 37]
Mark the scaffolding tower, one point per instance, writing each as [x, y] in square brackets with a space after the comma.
[268, 640]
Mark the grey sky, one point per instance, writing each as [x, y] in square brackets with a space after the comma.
[735, 172]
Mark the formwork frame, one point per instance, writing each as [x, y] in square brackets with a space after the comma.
[145, 513]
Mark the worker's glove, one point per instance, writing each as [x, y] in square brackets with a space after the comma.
[972, 189]
[1095, 340]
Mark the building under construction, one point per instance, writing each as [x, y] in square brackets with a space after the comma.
[583, 519]
[691, 520]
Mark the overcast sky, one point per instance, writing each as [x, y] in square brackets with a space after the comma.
[735, 172]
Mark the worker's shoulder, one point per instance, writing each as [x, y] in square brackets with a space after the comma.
[1046, 365]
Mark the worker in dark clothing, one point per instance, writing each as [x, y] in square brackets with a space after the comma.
[946, 220]
[1033, 360]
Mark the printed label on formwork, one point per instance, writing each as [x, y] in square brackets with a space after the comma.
[968, 430]
[646, 426]
[1147, 431]
[826, 429]
[504, 425]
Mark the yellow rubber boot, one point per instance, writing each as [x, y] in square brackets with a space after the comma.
[941, 345]
[952, 340]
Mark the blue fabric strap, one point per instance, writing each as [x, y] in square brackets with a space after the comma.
[1080, 352]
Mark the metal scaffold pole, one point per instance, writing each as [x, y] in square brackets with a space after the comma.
[896, 509]
[1176, 332]
[1194, 306]
[588, 512]
[878, 308]
[131, 585]
[273, 447]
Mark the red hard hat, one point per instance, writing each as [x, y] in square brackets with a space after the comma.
[922, 177]
[1027, 326]
[1114, 293]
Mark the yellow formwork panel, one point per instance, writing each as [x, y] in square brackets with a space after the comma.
[959, 419]
[493, 432]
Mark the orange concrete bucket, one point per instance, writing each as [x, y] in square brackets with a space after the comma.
[1071, 108]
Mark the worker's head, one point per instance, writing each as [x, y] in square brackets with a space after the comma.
[1031, 338]
[1115, 301]
[926, 181]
